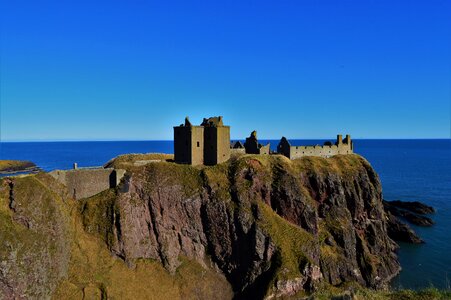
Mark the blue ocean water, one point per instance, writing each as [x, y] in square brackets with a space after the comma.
[409, 170]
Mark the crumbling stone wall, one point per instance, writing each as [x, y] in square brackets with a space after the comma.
[340, 147]
[252, 145]
[84, 183]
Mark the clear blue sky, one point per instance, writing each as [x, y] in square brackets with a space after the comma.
[109, 70]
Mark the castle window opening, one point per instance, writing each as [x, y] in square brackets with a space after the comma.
[198, 144]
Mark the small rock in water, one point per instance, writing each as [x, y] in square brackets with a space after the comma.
[413, 212]
[418, 220]
[399, 231]
[413, 206]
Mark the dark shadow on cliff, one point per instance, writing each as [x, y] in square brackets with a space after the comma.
[258, 289]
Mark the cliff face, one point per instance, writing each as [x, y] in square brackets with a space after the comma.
[34, 237]
[260, 226]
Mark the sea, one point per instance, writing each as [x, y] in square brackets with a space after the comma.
[410, 170]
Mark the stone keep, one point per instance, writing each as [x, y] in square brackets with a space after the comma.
[207, 144]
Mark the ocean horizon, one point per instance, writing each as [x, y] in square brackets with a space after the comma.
[232, 139]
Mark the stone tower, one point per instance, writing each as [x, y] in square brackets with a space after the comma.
[189, 144]
[216, 141]
[207, 144]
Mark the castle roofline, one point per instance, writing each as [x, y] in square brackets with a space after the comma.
[212, 122]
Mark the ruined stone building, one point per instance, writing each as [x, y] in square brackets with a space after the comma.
[252, 145]
[327, 150]
[208, 143]
[237, 148]
[236, 145]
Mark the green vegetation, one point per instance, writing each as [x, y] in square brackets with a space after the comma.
[73, 260]
[95, 274]
[163, 174]
[34, 235]
[97, 214]
[295, 245]
[344, 165]
[217, 178]
[128, 161]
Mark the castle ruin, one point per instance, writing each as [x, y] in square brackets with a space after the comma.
[207, 144]
[327, 150]
[237, 148]
[252, 145]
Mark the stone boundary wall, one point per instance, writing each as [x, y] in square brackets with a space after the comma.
[84, 183]
[323, 151]
[327, 150]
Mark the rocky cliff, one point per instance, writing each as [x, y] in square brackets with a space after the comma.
[254, 227]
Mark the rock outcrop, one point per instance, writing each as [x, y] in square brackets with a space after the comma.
[270, 226]
[17, 166]
[413, 206]
[413, 212]
[401, 232]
